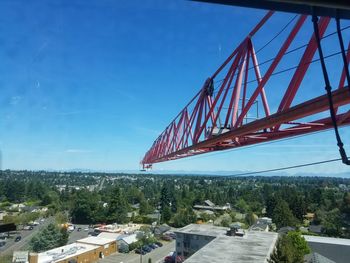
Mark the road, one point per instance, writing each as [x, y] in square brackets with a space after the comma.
[157, 255]
[101, 184]
[26, 235]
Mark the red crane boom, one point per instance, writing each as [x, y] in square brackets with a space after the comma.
[220, 118]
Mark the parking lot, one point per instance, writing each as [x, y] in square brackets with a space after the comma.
[80, 231]
[156, 255]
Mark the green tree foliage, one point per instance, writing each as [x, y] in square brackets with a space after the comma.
[166, 206]
[290, 248]
[184, 217]
[117, 209]
[251, 218]
[145, 207]
[61, 218]
[49, 238]
[328, 197]
[332, 223]
[282, 215]
[83, 208]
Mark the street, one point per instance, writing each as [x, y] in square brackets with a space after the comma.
[26, 235]
[156, 255]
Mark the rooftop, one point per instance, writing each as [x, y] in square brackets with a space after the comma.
[109, 235]
[100, 241]
[20, 256]
[328, 240]
[253, 247]
[62, 253]
[203, 229]
[129, 239]
[335, 249]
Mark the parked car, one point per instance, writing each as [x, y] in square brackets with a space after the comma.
[172, 235]
[2, 243]
[147, 248]
[159, 244]
[18, 238]
[86, 229]
[173, 257]
[166, 238]
[28, 228]
[79, 229]
[154, 245]
[140, 251]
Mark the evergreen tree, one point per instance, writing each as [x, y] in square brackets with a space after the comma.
[282, 215]
[49, 238]
[290, 248]
[117, 209]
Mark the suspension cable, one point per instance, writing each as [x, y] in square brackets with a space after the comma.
[278, 33]
[341, 42]
[328, 88]
[286, 168]
[291, 51]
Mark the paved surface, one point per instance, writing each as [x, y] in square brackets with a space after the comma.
[26, 235]
[157, 255]
[76, 235]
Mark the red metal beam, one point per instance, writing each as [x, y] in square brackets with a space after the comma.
[340, 97]
[213, 121]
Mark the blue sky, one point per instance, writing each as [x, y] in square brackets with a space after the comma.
[91, 84]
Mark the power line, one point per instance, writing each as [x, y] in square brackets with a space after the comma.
[287, 167]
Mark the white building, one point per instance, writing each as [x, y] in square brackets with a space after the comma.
[207, 243]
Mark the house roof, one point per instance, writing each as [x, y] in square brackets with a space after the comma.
[317, 258]
[336, 249]
[259, 226]
[209, 203]
[286, 229]
[130, 239]
[315, 228]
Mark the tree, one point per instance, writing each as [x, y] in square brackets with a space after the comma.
[117, 209]
[84, 206]
[290, 248]
[49, 238]
[251, 218]
[61, 218]
[165, 214]
[332, 223]
[165, 204]
[242, 205]
[282, 215]
[184, 217]
[145, 208]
